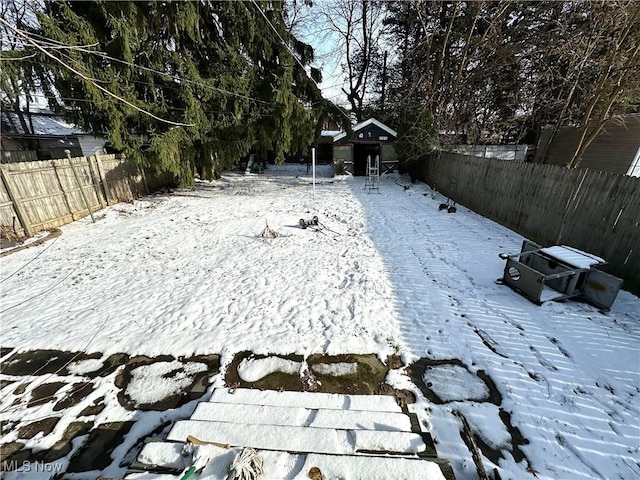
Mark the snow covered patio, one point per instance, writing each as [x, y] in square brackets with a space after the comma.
[550, 390]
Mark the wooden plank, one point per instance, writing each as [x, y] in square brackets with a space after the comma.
[22, 216]
[298, 439]
[80, 185]
[166, 456]
[267, 437]
[118, 179]
[64, 193]
[303, 417]
[95, 180]
[103, 181]
[8, 215]
[247, 396]
[363, 467]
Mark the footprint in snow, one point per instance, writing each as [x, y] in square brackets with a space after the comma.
[557, 343]
[543, 361]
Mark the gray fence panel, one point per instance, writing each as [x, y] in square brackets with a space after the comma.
[594, 211]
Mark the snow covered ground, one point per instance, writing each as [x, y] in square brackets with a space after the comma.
[386, 273]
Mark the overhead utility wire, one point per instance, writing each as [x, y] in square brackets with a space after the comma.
[282, 40]
[83, 48]
[291, 52]
[50, 42]
[88, 100]
[9, 59]
[99, 87]
[173, 77]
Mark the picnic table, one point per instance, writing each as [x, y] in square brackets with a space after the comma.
[559, 272]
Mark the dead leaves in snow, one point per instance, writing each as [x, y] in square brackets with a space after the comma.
[268, 233]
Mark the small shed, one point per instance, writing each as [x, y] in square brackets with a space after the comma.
[370, 138]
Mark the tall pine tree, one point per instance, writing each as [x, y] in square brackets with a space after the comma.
[178, 85]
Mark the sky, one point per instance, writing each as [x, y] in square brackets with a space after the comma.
[313, 28]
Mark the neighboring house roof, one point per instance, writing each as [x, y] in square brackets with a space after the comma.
[330, 133]
[366, 123]
[43, 124]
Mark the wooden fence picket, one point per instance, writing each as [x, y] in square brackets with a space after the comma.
[594, 211]
[47, 194]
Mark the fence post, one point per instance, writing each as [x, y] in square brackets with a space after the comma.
[16, 203]
[75, 174]
[64, 192]
[95, 180]
[103, 180]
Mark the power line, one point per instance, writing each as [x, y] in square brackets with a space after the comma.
[173, 77]
[99, 87]
[54, 44]
[283, 42]
[292, 53]
[88, 100]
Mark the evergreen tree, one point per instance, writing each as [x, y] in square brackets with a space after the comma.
[417, 137]
[179, 85]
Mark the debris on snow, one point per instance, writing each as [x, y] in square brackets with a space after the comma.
[268, 232]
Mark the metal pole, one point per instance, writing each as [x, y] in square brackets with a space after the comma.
[75, 174]
[313, 166]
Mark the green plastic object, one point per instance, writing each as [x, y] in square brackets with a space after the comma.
[188, 473]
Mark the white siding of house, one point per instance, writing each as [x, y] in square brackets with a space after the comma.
[90, 144]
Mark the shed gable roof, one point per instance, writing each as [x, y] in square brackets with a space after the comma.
[366, 123]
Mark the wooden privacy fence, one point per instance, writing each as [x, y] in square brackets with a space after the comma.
[36, 196]
[594, 211]
[19, 156]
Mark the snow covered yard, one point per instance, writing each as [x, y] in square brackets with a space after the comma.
[187, 274]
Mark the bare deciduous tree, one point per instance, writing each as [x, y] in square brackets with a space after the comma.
[354, 28]
[615, 69]
[500, 69]
[18, 80]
